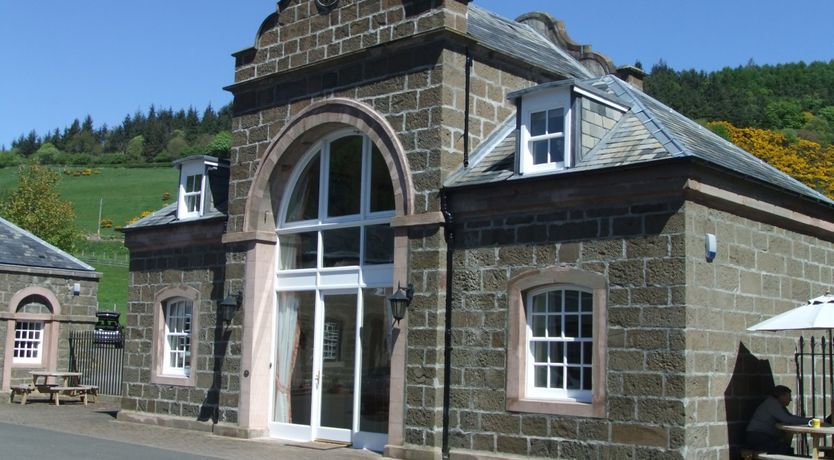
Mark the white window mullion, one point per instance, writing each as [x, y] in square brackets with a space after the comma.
[178, 321]
[28, 342]
[561, 351]
[324, 182]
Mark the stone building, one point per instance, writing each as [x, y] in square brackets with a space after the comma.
[45, 293]
[551, 218]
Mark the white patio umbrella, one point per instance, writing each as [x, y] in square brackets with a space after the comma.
[817, 314]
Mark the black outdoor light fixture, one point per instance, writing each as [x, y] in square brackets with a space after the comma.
[228, 306]
[400, 300]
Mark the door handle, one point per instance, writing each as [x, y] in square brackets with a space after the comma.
[318, 378]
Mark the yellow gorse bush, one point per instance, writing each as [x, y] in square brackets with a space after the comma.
[806, 161]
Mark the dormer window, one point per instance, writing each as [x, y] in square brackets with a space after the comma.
[547, 137]
[192, 194]
[195, 197]
[559, 124]
[546, 131]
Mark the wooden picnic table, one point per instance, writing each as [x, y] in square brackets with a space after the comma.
[818, 434]
[48, 379]
[54, 383]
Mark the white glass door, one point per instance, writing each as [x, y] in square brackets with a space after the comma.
[332, 367]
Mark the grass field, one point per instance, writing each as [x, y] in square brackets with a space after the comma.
[124, 194]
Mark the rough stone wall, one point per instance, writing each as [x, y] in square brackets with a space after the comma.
[301, 34]
[84, 304]
[423, 98]
[760, 270]
[417, 84]
[596, 120]
[77, 312]
[640, 249]
[215, 395]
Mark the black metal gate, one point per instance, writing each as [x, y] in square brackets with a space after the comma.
[99, 361]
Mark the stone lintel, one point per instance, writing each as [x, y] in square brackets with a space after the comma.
[57, 272]
[5, 315]
[254, 236]
[186, 234]
[418, 220]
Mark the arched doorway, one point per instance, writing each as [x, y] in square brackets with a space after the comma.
[335, 269]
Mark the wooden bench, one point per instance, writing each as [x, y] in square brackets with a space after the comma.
[22, 390]
[56, 392]
[91, 390]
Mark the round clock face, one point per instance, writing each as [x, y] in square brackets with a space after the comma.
[327, 3]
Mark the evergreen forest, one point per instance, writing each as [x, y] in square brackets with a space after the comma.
[783, 114]
[158, 136]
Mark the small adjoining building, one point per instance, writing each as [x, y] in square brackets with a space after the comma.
[45, 294]
[583, 260]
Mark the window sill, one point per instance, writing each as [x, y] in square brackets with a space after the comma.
[177, 380]
[557, 407]
[27, 364]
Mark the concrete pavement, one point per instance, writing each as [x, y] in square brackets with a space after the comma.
[99, 421]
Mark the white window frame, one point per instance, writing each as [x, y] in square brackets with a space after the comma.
[553, 99]
[176, 310]
[363, 220]
[551, 363]
[519, 288]
[195, 169]
[34, 331]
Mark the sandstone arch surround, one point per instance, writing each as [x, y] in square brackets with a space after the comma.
[257, 235]
[51, 331]
[264, 195]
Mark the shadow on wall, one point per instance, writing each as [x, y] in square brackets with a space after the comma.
[751, 381]
[210, 408]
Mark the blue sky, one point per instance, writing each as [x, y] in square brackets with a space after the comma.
[64, 60]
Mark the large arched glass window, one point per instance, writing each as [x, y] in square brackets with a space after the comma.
[335, 269]
[341, 202]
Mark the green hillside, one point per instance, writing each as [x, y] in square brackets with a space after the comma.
[124, 193]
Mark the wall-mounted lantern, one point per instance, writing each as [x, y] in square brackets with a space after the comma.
[229, 306]
[400, 300]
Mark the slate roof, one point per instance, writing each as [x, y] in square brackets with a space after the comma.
[168, 215]
[19, 247]
[650, 131]
[521, 41]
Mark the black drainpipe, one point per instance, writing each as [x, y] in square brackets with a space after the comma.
[447, 350]
[468, 72]
[449, 235]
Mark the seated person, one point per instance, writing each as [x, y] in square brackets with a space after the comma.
[762, 434]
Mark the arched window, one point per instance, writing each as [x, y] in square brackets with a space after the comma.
[177, 355]
[557, 342]
[29, 333]
[335, 269]
[340, 205]
[560, 339]
[175, 342]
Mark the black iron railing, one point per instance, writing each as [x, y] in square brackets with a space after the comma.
[99, 358]
[814, 379]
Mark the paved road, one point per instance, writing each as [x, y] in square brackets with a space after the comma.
[72, 431]
[24, 442]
